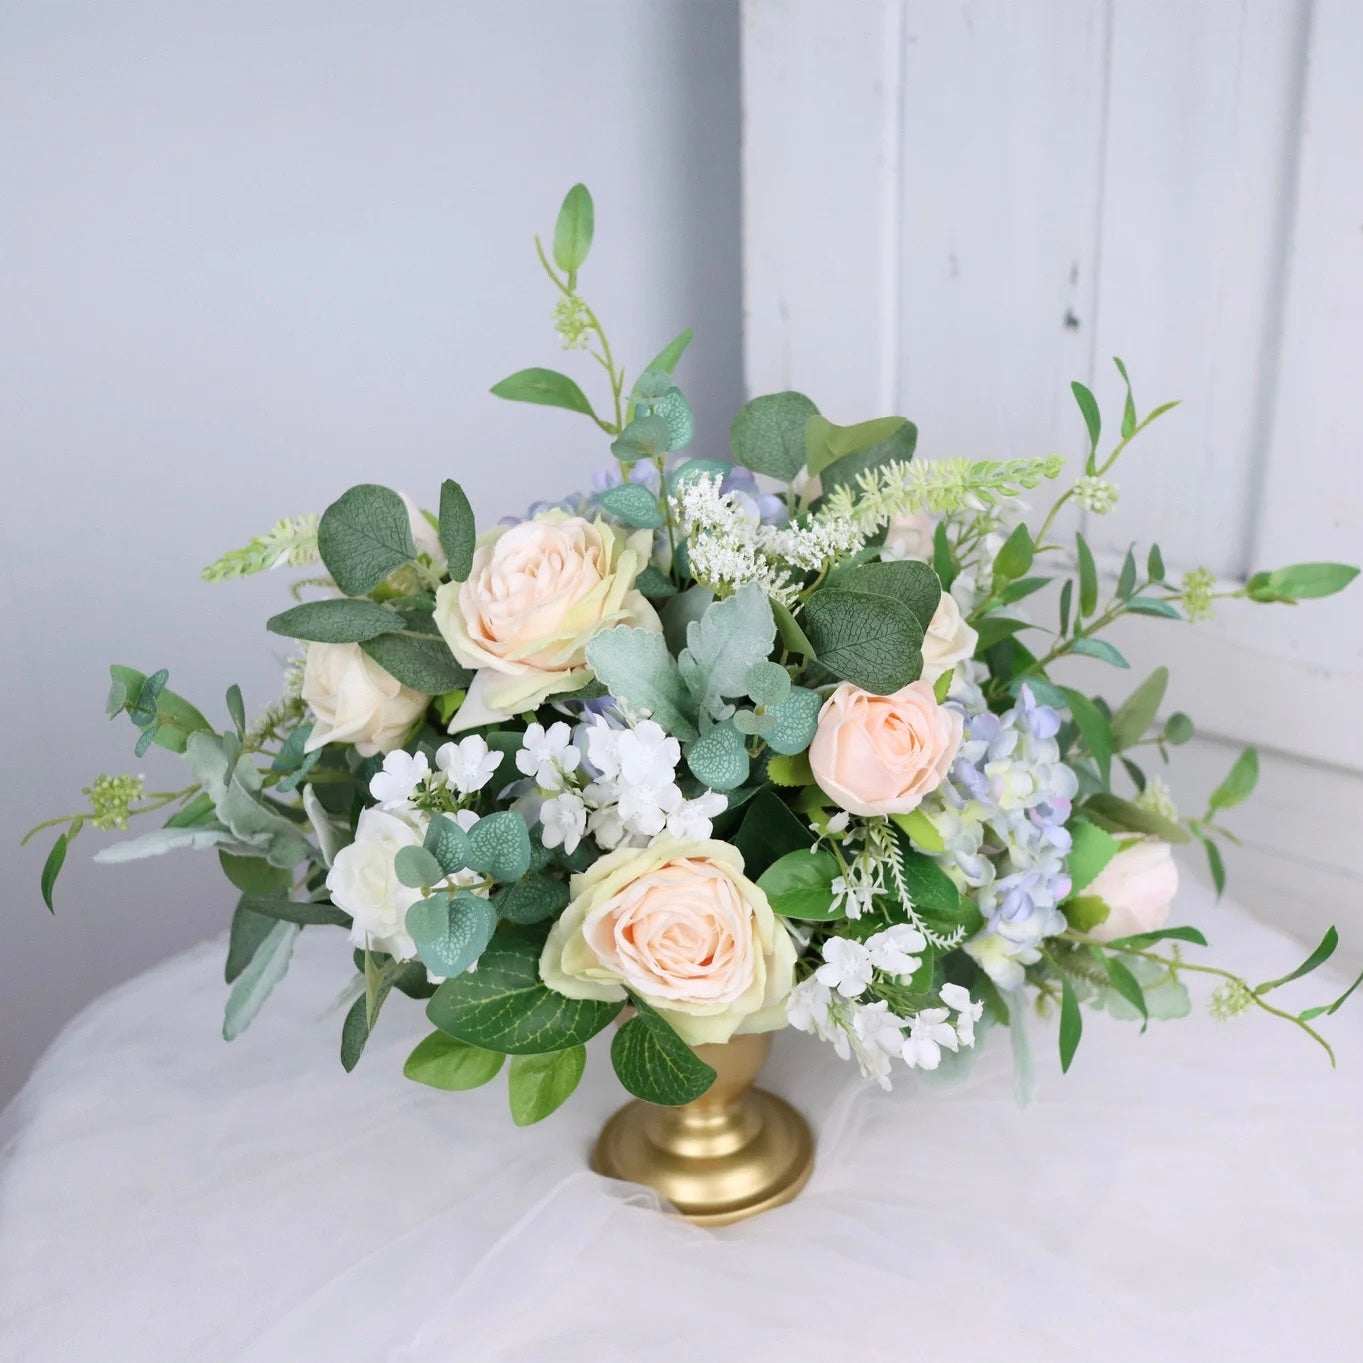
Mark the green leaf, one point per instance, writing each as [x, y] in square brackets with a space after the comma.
[268, 966]
[795, 721]
[450, 931]
[1126, 580]
[676, 413]
[458, 534]
[499, 846]
[447, 843]
[636, 668]
[1088, 576]
[171, 718]
[503, 1006]
[198, 811]
[52, 868]
[768, 434]
[665, 361]
[792, 637]
[364, 535]
[245, 937]
[1300, 582]
[1134, 818]
[1093, 728]
[769, 830]
[1100, 649]
[906, 580]
[540, 1084]
[547, 387]
[697, 468]
[871, 641]
[933, 892]
[1089, 407]
[845, 471]
[992, 628]
[943, 564]
[573, 231]
[1178, 728]
[654, 585]
[425, 665]
[416, 868]
[1125, 983]
[632, 504]
[1239, 783]
[1085, 912]
[1092, 850]
[646, 437]
[799, 885]
[1066, 596]
[1216, 866]
[655, 1064]
[1137, 712]
[236, 708]
[255, 875]
[719, 757]
[306, 913]
[1129, 409]
[1318, 957]
[1330, 1008]
[355, 1033]
[444, 1063]
[921, 831]
[768, 683]
[1154, 564]
[335, 621]
[1137, 941]
[724, 645]
[890, 437]
[1015, 557]
[1149, 605]
[532, 899]
[1023, 587]
[790, 770]
[1071, 1024]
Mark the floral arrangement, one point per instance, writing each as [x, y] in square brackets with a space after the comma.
[712, 748]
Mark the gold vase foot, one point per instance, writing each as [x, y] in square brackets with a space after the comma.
[732, 1153]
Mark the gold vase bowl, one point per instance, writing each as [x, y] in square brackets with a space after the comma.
[732, 1153]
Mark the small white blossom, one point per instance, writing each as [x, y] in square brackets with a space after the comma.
[877, 1027]
[469, 764]
[402, 773]
[894, 950]
[929, 1032]
[846, 967]
[1098, 495]
[548, 755]
[691, 819]
[957, 998]
[838, 822]
[564, 820]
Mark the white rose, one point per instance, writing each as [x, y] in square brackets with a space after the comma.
[948, 641]
[1138, 886]
[353, 700]
[909, 537]
[363, 882]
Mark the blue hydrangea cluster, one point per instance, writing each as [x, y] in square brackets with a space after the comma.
[1001, 814]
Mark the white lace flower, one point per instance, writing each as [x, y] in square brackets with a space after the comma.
[929, 1032]
[648, 755]
[877, 1027]
[808, 1004]
[548, 755]
[402, 773]
[564, 820]
[957, 998]
[469, 764]
[846, 967]
[894, 950]
[691, 819]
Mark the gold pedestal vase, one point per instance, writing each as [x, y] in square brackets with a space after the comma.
[733, 1152]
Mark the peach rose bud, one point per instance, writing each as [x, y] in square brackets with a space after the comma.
[882, 754]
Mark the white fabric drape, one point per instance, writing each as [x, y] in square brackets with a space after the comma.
[1190, 1193]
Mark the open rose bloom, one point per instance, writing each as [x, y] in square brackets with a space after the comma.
[838, 749]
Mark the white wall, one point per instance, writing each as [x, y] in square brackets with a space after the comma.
[249, 255]
[1000, 197]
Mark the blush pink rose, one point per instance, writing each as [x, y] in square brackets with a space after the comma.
[678, 925]
[883, 754]
[1138, 885]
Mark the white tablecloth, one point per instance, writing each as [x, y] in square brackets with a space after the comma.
[1193, 1193]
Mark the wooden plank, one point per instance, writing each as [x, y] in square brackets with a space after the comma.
[1198, 175]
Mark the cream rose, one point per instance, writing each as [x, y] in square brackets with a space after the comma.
[353, 700]
[681, 927]
[362, 881]
[909, 537]
[883, 754]
[1138, 885]
[537, 593]
[948, 639]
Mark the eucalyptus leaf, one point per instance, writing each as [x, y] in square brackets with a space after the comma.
[794, 721]
[447, 843]
[872, 641]
[425, 665]
[532, 899]
[363, 536]
[719, 757]
[458, 534]
[892, 437]
[416, 868]
[451, 931]
[906, 580]
[768, 434]
[633, 504]
[499, 846]
[646, 437]
[335, 621]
